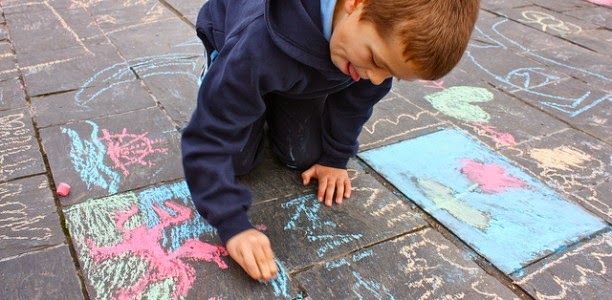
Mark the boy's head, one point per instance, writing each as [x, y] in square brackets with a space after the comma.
[408, 39]
[435, 33]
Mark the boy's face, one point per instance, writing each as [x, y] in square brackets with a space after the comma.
[360, 52]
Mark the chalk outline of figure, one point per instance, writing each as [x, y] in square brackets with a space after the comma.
[566, 105]
[163, 265]
[560, 26]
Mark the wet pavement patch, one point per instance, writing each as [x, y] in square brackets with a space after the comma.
[505, 214]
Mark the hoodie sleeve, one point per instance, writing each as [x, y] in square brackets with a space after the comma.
[345, 114]
[229, 102]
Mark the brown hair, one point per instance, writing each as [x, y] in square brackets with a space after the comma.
[435, 32]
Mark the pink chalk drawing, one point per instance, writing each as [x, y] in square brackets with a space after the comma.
[490, 178]
[145, 244]
[602, 2]
[501, 138]
[126, 149]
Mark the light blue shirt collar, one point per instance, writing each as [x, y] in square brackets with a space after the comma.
[327, 15]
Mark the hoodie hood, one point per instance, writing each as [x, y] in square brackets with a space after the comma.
[296, 28]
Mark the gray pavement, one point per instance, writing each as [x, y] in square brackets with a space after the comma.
[491, 183]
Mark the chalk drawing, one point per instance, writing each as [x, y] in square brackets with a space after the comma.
[369, 289]
[445, 198]
[184, 65]
[144, 243]
[435, 270]
[571, 169]
[571, 274]
[395, 118]
[87, 157]
[15, 139]
[460, 102]
[447, 170]
[305, 218]
[546, 21]
[15, 222]
[125, 149]
[148, 244]
[501, 139]
[528, 79]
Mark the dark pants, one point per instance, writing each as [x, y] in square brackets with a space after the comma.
[294, 129]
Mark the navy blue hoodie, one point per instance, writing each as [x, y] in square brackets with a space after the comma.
[265, 47]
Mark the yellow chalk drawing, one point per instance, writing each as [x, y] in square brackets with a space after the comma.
[561, 158]
[571, 170]
[445, 198]
[550, 22]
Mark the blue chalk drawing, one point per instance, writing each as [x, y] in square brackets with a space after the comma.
[174, 236]
[375, 290]
[523, 223]
[182, 64]
[281, 283]
[306, 218]
[87, 158]
[529, 79]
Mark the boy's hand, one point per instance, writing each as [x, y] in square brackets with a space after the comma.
[252, 251]
[332, 181]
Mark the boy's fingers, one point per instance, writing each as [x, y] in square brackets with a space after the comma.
[322, 189]
[339, 192]
[306, 175]
[263, 265]
[270, 259]
[329, 193]
[250, 265]
[347, 189]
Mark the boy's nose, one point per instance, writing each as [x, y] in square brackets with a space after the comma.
[377, 77]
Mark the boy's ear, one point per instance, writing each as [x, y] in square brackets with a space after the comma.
[351, 5]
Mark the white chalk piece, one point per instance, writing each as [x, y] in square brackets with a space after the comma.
[63, 189]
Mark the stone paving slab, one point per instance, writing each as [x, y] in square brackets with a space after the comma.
[74, 71]
[169, 36]
[420, 265]
[189, 9]
[19, 151]
[8, 68]
[28, 217]
[173, 79]
[570, 162]
[105, 156]
[586, 34]
[38, 25]
[115, 90]
[593, 68]
[488, 203]
[41, 275]
[271, 180]
[303, 232]
[594, 15]
[494, 5]
[11, 94]
[115, 16]
[580, 272]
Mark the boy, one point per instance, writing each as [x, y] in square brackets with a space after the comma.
[312, 70]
